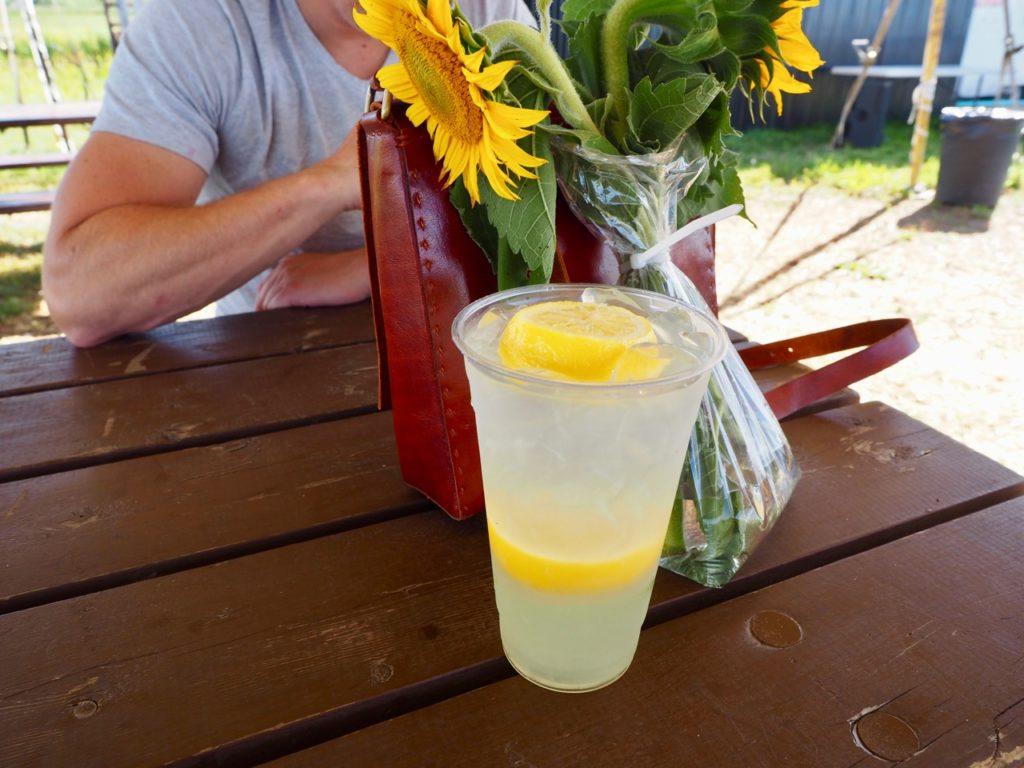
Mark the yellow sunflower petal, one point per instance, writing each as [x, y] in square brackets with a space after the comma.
[509, 152]
[517, 116]
[440, 14]
[797, 50]
[491, 77]
[473, 61]
[417, 113]
[395, 78]
[498, 179]
[373, 25]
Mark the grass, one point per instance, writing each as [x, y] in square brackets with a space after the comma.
[19, 284]
[77, 37]
[67, 21]
[804, 156]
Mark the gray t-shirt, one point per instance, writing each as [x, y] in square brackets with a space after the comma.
[244, 89]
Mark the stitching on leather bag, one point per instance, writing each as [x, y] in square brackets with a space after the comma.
[423, 224]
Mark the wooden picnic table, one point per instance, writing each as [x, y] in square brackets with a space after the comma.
[208, 557]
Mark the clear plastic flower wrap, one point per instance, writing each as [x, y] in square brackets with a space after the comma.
[740, 471]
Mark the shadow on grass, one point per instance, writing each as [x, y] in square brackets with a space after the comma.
[805, 155]
[20, 280]
[934, 217]
[20, 249]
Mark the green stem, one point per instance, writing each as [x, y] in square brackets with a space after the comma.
[541, 56]
[615, 42]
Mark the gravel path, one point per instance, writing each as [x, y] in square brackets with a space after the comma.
[820, 258]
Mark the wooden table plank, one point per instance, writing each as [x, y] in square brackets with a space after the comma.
[67, 534]
[280, 649]
[916, 649]
[53, 363]
[62, 429]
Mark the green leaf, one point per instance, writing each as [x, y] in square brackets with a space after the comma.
[746, 34]
[734, 6]
[659, 115]
[715, 124]
[578, 10]
[599, 111]
[474, 219]
[585, 138]
[701, 39]
[528, 224]
[770, 9]
[651, 62]
[726, 67]
[720, 187]
[584, 60]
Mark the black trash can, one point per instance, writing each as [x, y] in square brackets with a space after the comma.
[978, 145]
[865, 127]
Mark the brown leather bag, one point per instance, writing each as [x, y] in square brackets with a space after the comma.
[424, 269]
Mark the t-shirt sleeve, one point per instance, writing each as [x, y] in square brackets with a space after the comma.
[166, 81]
[483, 12]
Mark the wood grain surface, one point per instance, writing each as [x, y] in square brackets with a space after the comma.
[910, 653]
[61, 429]
[53, 363]
[75, 532]
[287, 647]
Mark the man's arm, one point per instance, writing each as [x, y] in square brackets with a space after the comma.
[128, 249]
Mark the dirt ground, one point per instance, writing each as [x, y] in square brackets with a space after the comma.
[820, 258]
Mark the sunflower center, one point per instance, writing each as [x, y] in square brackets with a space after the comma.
[436, 71]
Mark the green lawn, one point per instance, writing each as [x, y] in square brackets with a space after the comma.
[804, 156]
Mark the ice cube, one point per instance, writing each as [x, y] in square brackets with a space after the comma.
[645, 362]
[606, 294]
[484, 338]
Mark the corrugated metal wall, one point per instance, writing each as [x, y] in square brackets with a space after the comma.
[833, 24]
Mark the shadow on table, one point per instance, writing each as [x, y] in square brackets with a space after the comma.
[934, 217]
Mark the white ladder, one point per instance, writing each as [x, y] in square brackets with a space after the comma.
[44, 68]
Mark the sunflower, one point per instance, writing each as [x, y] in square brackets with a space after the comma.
[445, 87]
[797, 52]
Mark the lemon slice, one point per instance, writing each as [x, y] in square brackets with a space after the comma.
[580, 341]
[557, 575]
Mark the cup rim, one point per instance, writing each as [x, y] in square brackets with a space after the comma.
[663, 382]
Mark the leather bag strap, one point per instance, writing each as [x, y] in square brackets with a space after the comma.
[884, 342]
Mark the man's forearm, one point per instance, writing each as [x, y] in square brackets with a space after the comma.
[132, 267]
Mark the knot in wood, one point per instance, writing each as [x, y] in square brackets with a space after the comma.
[775, 629]
[887, 737]
[84, 708]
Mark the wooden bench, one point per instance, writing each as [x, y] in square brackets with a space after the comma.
[31, 115]
[39, 160]
[25, 202]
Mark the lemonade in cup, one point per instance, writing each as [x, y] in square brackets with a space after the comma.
[585, 397]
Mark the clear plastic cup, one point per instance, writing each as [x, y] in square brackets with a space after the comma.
[579, 481]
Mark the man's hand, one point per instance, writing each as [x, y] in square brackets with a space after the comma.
[316, 280]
